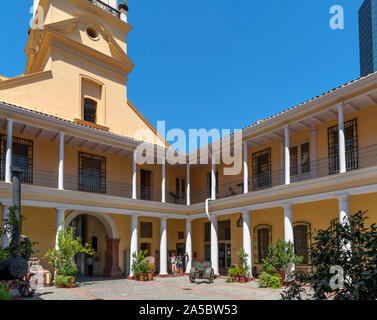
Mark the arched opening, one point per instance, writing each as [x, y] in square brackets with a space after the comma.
[101, 232]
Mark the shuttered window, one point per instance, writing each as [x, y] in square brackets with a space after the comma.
[262, 169]
[301, 232]
[262, 239]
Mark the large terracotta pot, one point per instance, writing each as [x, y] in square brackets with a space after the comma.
[242, 278]
[150, 275]
[142, 277]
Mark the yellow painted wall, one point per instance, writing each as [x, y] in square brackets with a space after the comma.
[366, 202]
[174, 226]
[40, 226]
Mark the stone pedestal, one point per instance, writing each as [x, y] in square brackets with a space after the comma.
[112, 268]
[42, 277]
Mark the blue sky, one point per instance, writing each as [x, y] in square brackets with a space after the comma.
[220, 64]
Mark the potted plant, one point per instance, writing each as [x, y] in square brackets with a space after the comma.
[232, 274]
[144, 268]
[151, 270]
[123, 5]
[139, 265]
[280, 255]
[61, 257]
[243, 269]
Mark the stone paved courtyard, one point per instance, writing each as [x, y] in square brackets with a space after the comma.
[159, 289]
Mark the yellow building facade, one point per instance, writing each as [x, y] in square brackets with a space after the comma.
[67, 123]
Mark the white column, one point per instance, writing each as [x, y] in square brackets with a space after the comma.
[61, 162]
[245, 169]
[134, 240]
[188, 187]
[213, 179]
[282, 161]
[8, 156]
[342, 140]
[287, 156]
[214, 246]
[163, 247]
[5, 238]
[163, 183]
[247, 240]
[288, 231]
[313, 159]
[344, 215]
[60, 217]
[188, 245]
[134, 176]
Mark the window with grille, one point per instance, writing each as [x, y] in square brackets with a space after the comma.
[352, 150]
[181, 235]
[22, 157]
[262, 169]
[90, 110]
[92, 173]
[262, 239]
[209, 184]
[146, 229]
[301, 232]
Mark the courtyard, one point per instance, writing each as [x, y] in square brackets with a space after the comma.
[178, 288]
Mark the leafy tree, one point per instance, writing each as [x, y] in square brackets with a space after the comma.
[280, 254]
[350, 246]
[61, 258]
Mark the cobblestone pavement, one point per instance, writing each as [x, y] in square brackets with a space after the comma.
[159, 289]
